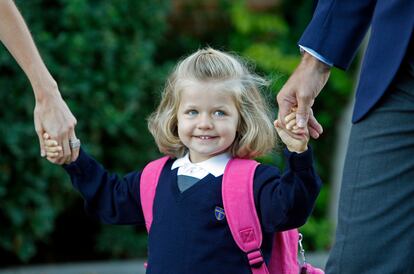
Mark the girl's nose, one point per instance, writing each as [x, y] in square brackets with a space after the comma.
[204, 122]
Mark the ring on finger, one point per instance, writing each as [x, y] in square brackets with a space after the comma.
[74, 143]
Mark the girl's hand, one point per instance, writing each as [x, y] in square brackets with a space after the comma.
[53, 150]
[295, 138]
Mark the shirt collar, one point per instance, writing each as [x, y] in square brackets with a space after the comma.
[215, 165]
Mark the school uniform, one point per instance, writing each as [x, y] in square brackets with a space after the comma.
[189, 232]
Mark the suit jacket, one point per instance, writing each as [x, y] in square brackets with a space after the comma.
[337, 29]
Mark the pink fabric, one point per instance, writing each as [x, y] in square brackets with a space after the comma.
[148, 185]
[284, 253]
[239, 207]
[240, 210]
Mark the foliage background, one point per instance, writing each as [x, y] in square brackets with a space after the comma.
[110, 59]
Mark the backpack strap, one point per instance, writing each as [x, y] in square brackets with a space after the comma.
[241, 211]
[148, 185]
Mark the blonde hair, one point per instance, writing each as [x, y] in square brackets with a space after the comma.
[255, 132]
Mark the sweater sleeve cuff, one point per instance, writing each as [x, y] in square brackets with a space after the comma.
[80, 164]
[299, 161]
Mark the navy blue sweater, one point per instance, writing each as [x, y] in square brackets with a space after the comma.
[185, 236]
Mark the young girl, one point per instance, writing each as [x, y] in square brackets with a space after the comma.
[211, 110]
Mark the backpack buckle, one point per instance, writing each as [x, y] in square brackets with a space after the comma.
[255, 258]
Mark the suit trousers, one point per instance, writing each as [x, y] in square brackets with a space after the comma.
[375, 232]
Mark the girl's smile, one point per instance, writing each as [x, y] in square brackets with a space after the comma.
[205, 137]
[207, 120]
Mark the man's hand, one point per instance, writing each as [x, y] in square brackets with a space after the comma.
[300, 91]
[52, 115]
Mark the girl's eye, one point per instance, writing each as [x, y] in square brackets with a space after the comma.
[192, 112]
[219, 113]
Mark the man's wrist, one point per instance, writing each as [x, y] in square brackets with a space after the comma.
[310, 60]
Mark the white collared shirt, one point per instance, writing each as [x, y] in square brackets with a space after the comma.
[215, 165]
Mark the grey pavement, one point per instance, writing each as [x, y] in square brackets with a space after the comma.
[107, 267]
[115, 267]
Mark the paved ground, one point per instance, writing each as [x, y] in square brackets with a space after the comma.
[113, 267]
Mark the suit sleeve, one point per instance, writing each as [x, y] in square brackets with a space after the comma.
[111, 199]
[285, 201]
[337, 29]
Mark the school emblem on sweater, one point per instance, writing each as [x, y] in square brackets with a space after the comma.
[219, 212]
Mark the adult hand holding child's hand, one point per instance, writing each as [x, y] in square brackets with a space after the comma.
[53, 150]
[295, 138]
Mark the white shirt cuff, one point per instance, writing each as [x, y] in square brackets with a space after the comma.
[316, 55]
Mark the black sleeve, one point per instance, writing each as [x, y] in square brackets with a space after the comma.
[285, 201]
[111, 199]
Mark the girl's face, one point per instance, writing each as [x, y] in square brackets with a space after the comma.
[207, 121]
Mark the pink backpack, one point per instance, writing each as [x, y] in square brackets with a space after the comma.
[238, 200]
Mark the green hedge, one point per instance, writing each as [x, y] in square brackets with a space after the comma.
[103, 55]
